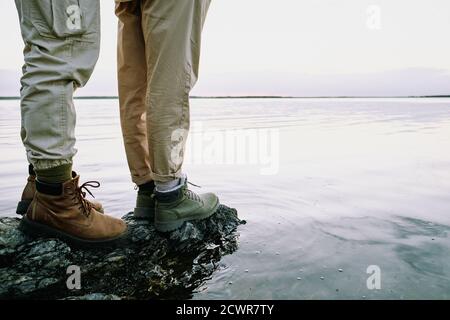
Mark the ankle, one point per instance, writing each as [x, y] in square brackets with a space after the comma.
[55, 175]
[168, 197]
[170, 186]
[51, 189]
[31, 171]
[147, 188]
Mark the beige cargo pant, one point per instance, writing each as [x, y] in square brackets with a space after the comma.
[62, 40]
[158, 65]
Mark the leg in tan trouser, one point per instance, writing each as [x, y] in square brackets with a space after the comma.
[158, 62]
[163, 53]
[172, 33]
[132, 74]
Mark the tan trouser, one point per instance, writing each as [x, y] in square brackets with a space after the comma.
[158, 62]
[62, 43]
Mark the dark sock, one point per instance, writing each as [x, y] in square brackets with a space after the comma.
[31, 170]
[148, 187]
[54, 175]
[168, 197]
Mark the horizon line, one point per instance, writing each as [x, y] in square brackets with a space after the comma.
[255, 97]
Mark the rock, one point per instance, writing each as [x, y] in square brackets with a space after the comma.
[95, 296]
[150, 266]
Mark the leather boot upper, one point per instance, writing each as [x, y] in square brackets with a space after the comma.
[71, 213]
[30, 189]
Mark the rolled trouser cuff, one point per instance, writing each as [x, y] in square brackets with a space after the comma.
[167, 178]
[46, 164]
[143, 179]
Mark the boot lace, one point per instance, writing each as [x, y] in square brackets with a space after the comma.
[191, 194]
[81, 192]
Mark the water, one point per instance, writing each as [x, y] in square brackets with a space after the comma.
[329, 187]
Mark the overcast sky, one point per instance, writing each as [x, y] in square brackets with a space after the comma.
[291, 47]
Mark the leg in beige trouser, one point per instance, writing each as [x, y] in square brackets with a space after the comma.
[62, 43]
[158, 63]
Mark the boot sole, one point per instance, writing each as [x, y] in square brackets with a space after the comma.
[144, 213]
[22, 207]
[37, 230]
[165, 227]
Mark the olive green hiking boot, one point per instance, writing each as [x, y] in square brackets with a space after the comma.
[145, 204]
[177, 207]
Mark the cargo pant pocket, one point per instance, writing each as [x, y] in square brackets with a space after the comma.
[64, 18]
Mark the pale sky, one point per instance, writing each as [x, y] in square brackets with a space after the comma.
[291, 47]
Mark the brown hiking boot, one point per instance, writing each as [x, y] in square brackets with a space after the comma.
[62, 211]
[27, 196]
[30, 190]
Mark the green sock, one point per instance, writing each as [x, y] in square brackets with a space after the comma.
[58, 174]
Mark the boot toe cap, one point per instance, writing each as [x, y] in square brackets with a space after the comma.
[109, 227]
[210, 200]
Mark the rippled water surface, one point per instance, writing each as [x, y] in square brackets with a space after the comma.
[328, 187]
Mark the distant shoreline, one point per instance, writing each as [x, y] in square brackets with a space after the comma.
[261, 97]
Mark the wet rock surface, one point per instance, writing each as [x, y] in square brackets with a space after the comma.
[150, 266]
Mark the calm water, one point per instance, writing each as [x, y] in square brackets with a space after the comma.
[328, 188]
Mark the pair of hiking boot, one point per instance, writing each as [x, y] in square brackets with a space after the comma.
[63, 211]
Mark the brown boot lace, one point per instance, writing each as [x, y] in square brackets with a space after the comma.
[85, 205]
